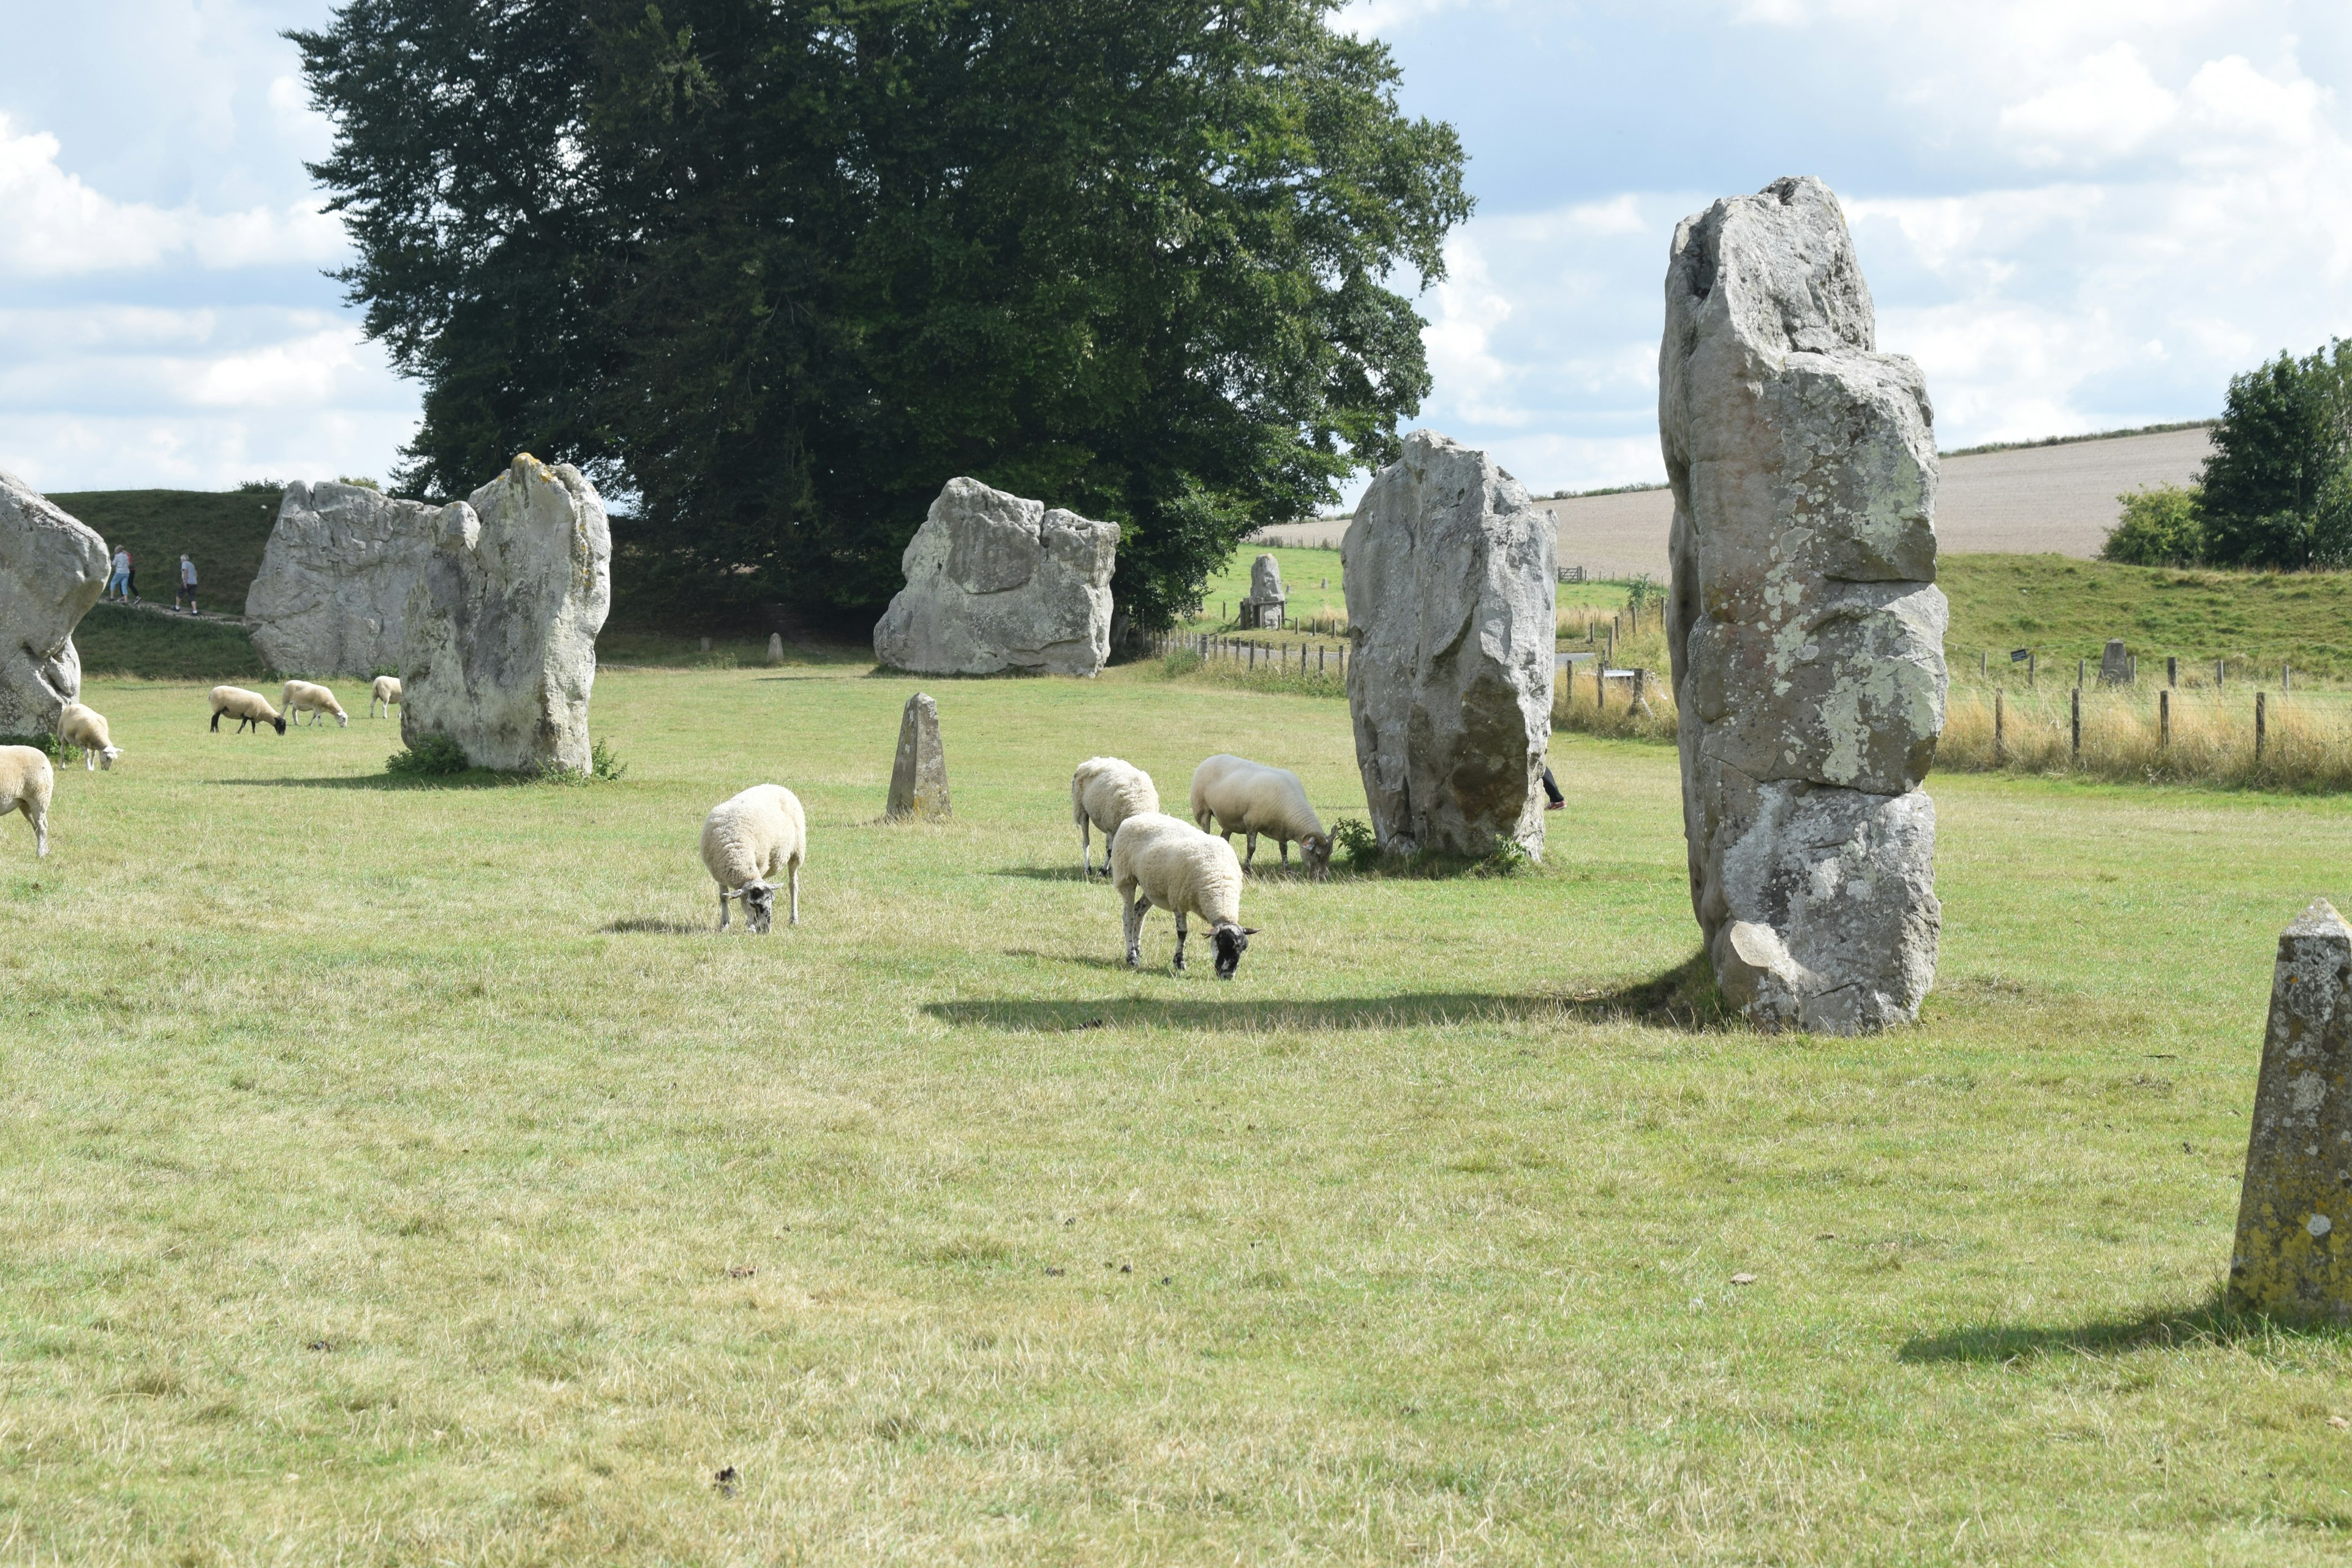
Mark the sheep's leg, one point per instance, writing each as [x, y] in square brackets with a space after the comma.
[1086, 848]
[1285, 854]
[1253, 851]
[89, 760]
[794, 875]
[1131, 920]
[40, 821]
[722, 909]
[1179, 941]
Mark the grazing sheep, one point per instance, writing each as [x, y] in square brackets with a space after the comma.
[26, 782]
[1159, 862]
[303, 697]
[1106, 792]
[1250, 797]
[86, 728]
[748, 841]
[385, 690]
[248, 708]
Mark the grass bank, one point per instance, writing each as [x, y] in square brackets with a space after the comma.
[401, 1175]
[225, 530]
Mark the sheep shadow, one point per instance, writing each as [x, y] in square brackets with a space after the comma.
[649, 926]
[474, 778]
[2211, 1322]
[1053, 874]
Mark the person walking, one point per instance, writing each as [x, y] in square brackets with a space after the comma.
[129, 579]
[187, 582]
[118, 576]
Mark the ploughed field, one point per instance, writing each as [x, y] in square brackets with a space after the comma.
[399, 1175]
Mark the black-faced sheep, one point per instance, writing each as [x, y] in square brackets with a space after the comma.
[1250, 797]
[1159, 862]
[1104, 793]
[249, 709]
[749, 840]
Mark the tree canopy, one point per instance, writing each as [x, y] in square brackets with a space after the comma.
[774, 271]
[2277, 490]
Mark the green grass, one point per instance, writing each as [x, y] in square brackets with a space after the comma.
[116, 640]
[2067, 609]
[397, 1174]
[224, 532]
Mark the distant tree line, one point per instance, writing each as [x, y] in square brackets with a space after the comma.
[2277, 491]
[771, 271]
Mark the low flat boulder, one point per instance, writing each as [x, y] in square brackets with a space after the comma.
[997, 582]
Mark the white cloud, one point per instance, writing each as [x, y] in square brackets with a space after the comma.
[2111, 106]
[54, 224]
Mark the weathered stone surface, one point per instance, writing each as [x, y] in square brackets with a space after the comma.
[1265, 606]
[2293, 1256]
[1449, 572]
[332, 597]
[2114, 664]
[1806, 630]
[52, 570]
[919, 777]
[775, 648]
[997, 582]
[501, 653]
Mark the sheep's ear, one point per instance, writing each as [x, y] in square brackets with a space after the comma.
[1249, 930]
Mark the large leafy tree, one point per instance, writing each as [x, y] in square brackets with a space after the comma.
[776, 269]
[2278, 488]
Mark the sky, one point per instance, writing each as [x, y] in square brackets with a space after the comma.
[2075, 214]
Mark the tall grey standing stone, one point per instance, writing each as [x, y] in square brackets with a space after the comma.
[502, 623]
[1450, 575]
[997, 582]
[1267, 600]
[2294, 1257]
[332, 597]
[919, 777]
[1806, 631]
[2114, 664]
[52, 570]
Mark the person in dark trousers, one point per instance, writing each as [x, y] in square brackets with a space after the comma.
[129, 579]
[1553, 800]
[187, 582]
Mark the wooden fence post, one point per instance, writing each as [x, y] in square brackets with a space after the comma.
[2078, 724]
[1600, 687]
[2261, 725]
[2000, 734]
[2081, 667]
[2220, 668]
[2164, 719]
[1984, 658]
[2033, 664]
[2172, 672]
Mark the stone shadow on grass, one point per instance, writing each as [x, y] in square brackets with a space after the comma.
[472, 778]
[2212, 1321]
[1682, 998]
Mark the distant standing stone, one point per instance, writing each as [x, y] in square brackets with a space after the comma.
[996, 582]
[775, 648]
[1264, 607]
[2297, 1197]
[919, 779]
[2115, 665]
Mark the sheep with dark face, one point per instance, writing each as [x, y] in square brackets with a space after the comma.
[1250, 797]
[251, 710]
[27, 782]
[749, 841]
[1104, 793]
[1159, 862]
[86, 728]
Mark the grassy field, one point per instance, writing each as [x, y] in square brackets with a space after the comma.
[400, 1175]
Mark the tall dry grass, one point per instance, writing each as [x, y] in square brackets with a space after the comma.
[2307, 746]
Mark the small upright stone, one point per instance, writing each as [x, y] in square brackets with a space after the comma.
[919, 779]
[2297, 1196]
[775, 648]
[52, 570]
[1265, 604]
[2115, 665]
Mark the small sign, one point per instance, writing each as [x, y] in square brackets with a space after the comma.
[2020, 655]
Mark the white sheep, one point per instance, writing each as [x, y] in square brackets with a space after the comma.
[748, 841]
[1250, 797]
[86, 728]
[26, 782]
[1106, 792]
[1160, 862]
[304, 697]
[385, 690]
[248, 708]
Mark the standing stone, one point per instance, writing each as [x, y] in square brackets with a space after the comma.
[997, 582]
[775, 648]
[332, 597]
[2115, 665]
[918, 778]
[1806, 630]
[1264, 607]
[2297, 1197]
[52, 570]
[502, 645]
[1449, 573]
